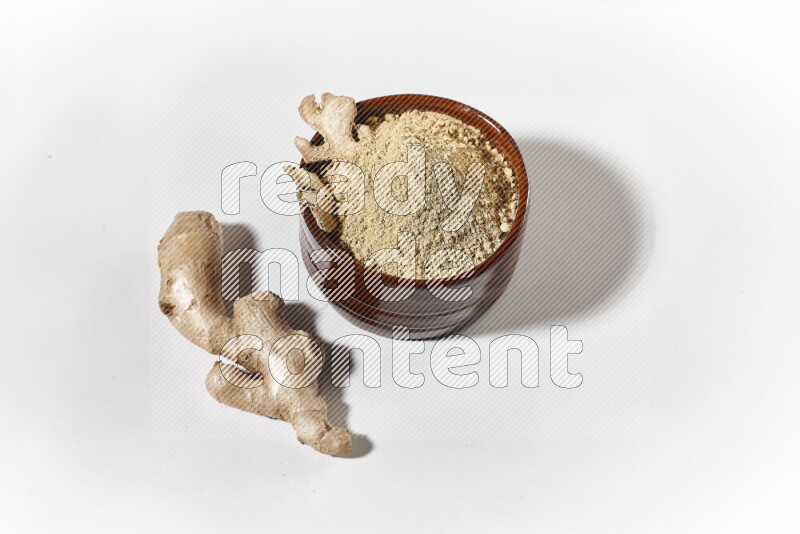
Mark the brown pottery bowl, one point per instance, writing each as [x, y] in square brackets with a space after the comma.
[422, 313]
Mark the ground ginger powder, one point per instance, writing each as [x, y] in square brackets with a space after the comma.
[445, 139]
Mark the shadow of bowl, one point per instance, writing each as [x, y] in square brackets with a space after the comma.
[587, 242]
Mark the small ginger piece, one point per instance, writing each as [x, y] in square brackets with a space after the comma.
[334, 119]
[257, 337]
[314, 195]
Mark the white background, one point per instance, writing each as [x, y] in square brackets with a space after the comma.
[586, 253]
[694, 104]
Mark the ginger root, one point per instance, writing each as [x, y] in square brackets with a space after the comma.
[257, 337]
[334, 118]
[313, 194]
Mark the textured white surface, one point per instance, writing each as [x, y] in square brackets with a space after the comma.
[686, 419]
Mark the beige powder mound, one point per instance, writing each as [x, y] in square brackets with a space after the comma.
[445, 139]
